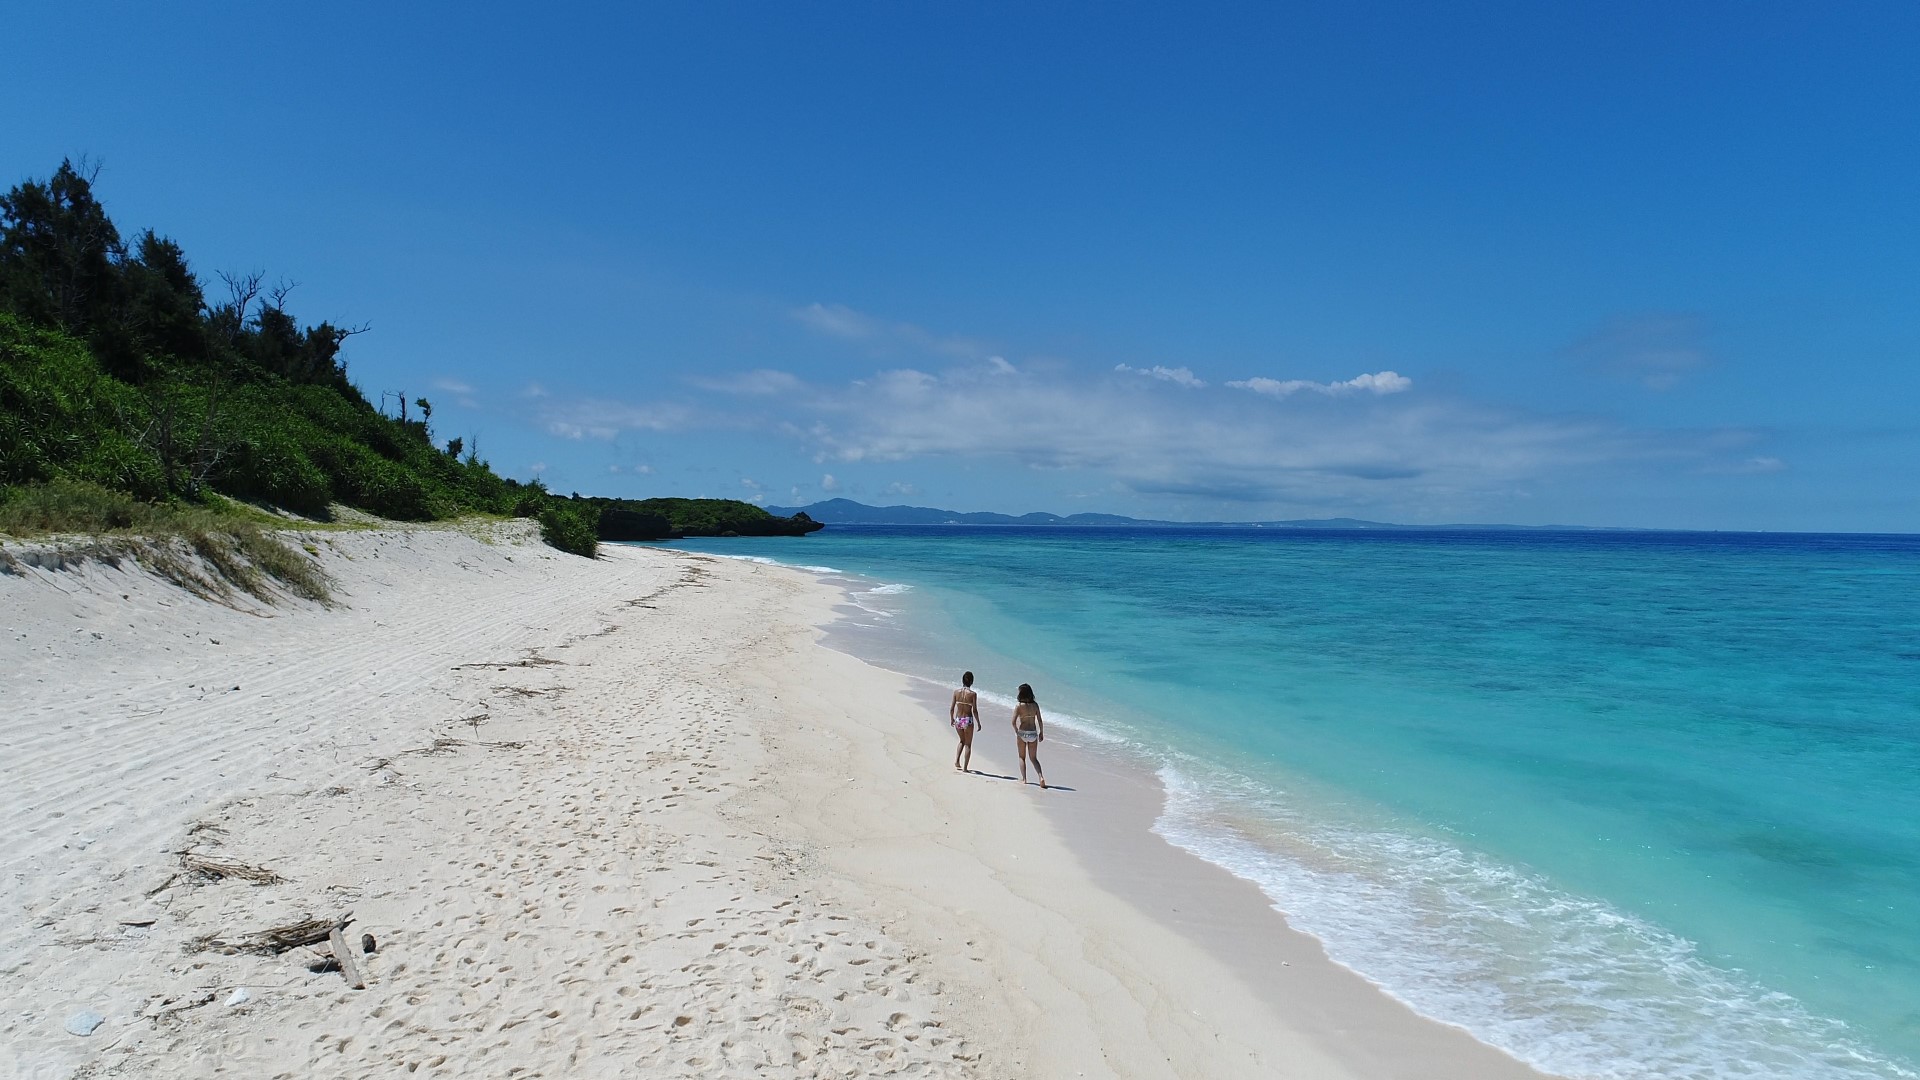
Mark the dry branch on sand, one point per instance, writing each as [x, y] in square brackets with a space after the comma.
[531, 661]
[204, 868]
[309, 931]
[198, 869]
[274, 940]
[525, 691]
[447, 744]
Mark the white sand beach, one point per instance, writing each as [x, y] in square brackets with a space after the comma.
[612, 817]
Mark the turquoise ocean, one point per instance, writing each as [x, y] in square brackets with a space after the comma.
[1623, 804]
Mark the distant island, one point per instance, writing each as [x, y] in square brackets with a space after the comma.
[848, 512]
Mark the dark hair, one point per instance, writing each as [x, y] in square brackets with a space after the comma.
[966, 678]
[1026, 694]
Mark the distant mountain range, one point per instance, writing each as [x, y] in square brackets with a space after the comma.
[848, 512]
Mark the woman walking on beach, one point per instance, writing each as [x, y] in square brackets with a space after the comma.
[964, 714]
[1030, 731]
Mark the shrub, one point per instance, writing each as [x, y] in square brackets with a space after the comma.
[267, 469]
[364, 479]
[113, 461]
[570, 529]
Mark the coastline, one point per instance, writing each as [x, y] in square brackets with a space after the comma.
[1214, 975]
[1286, 971]
[1358, 804]
[683, 837]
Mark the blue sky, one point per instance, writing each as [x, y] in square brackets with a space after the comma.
[1611, 264]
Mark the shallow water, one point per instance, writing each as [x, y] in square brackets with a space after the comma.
[1624, 804]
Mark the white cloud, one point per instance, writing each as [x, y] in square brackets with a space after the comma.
[1358, 443]
[1366, 443]
[537, 468]
[902, 489]
[1382, 382]
[534, 390]
[1180, 376]
[637, 470]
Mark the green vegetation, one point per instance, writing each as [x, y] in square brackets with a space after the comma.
[569, 528]
[117, 370]
[130, 401]
[665, 519]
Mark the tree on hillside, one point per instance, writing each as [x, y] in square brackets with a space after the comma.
[60, 253]
[120, 375]
[165, 304]
[63, 264]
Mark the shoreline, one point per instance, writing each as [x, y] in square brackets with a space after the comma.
[1107, 829]
[1466, 929]
[599, 815]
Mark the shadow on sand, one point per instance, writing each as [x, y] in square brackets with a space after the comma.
[1002, 776]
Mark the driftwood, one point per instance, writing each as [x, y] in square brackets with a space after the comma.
[344, 957]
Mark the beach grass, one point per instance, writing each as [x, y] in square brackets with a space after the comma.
[210, 548]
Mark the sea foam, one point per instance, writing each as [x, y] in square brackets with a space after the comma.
[1562, 982]
[764, 561]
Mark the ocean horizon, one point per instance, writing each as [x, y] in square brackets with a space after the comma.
[1622, 803]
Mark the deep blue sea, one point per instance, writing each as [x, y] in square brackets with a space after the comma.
[1624, 804]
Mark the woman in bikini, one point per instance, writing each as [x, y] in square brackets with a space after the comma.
[964, 714]
[1030, 731]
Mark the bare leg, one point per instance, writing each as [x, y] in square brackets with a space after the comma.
[1023, 759]
[964, 749]
[1034, 752]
